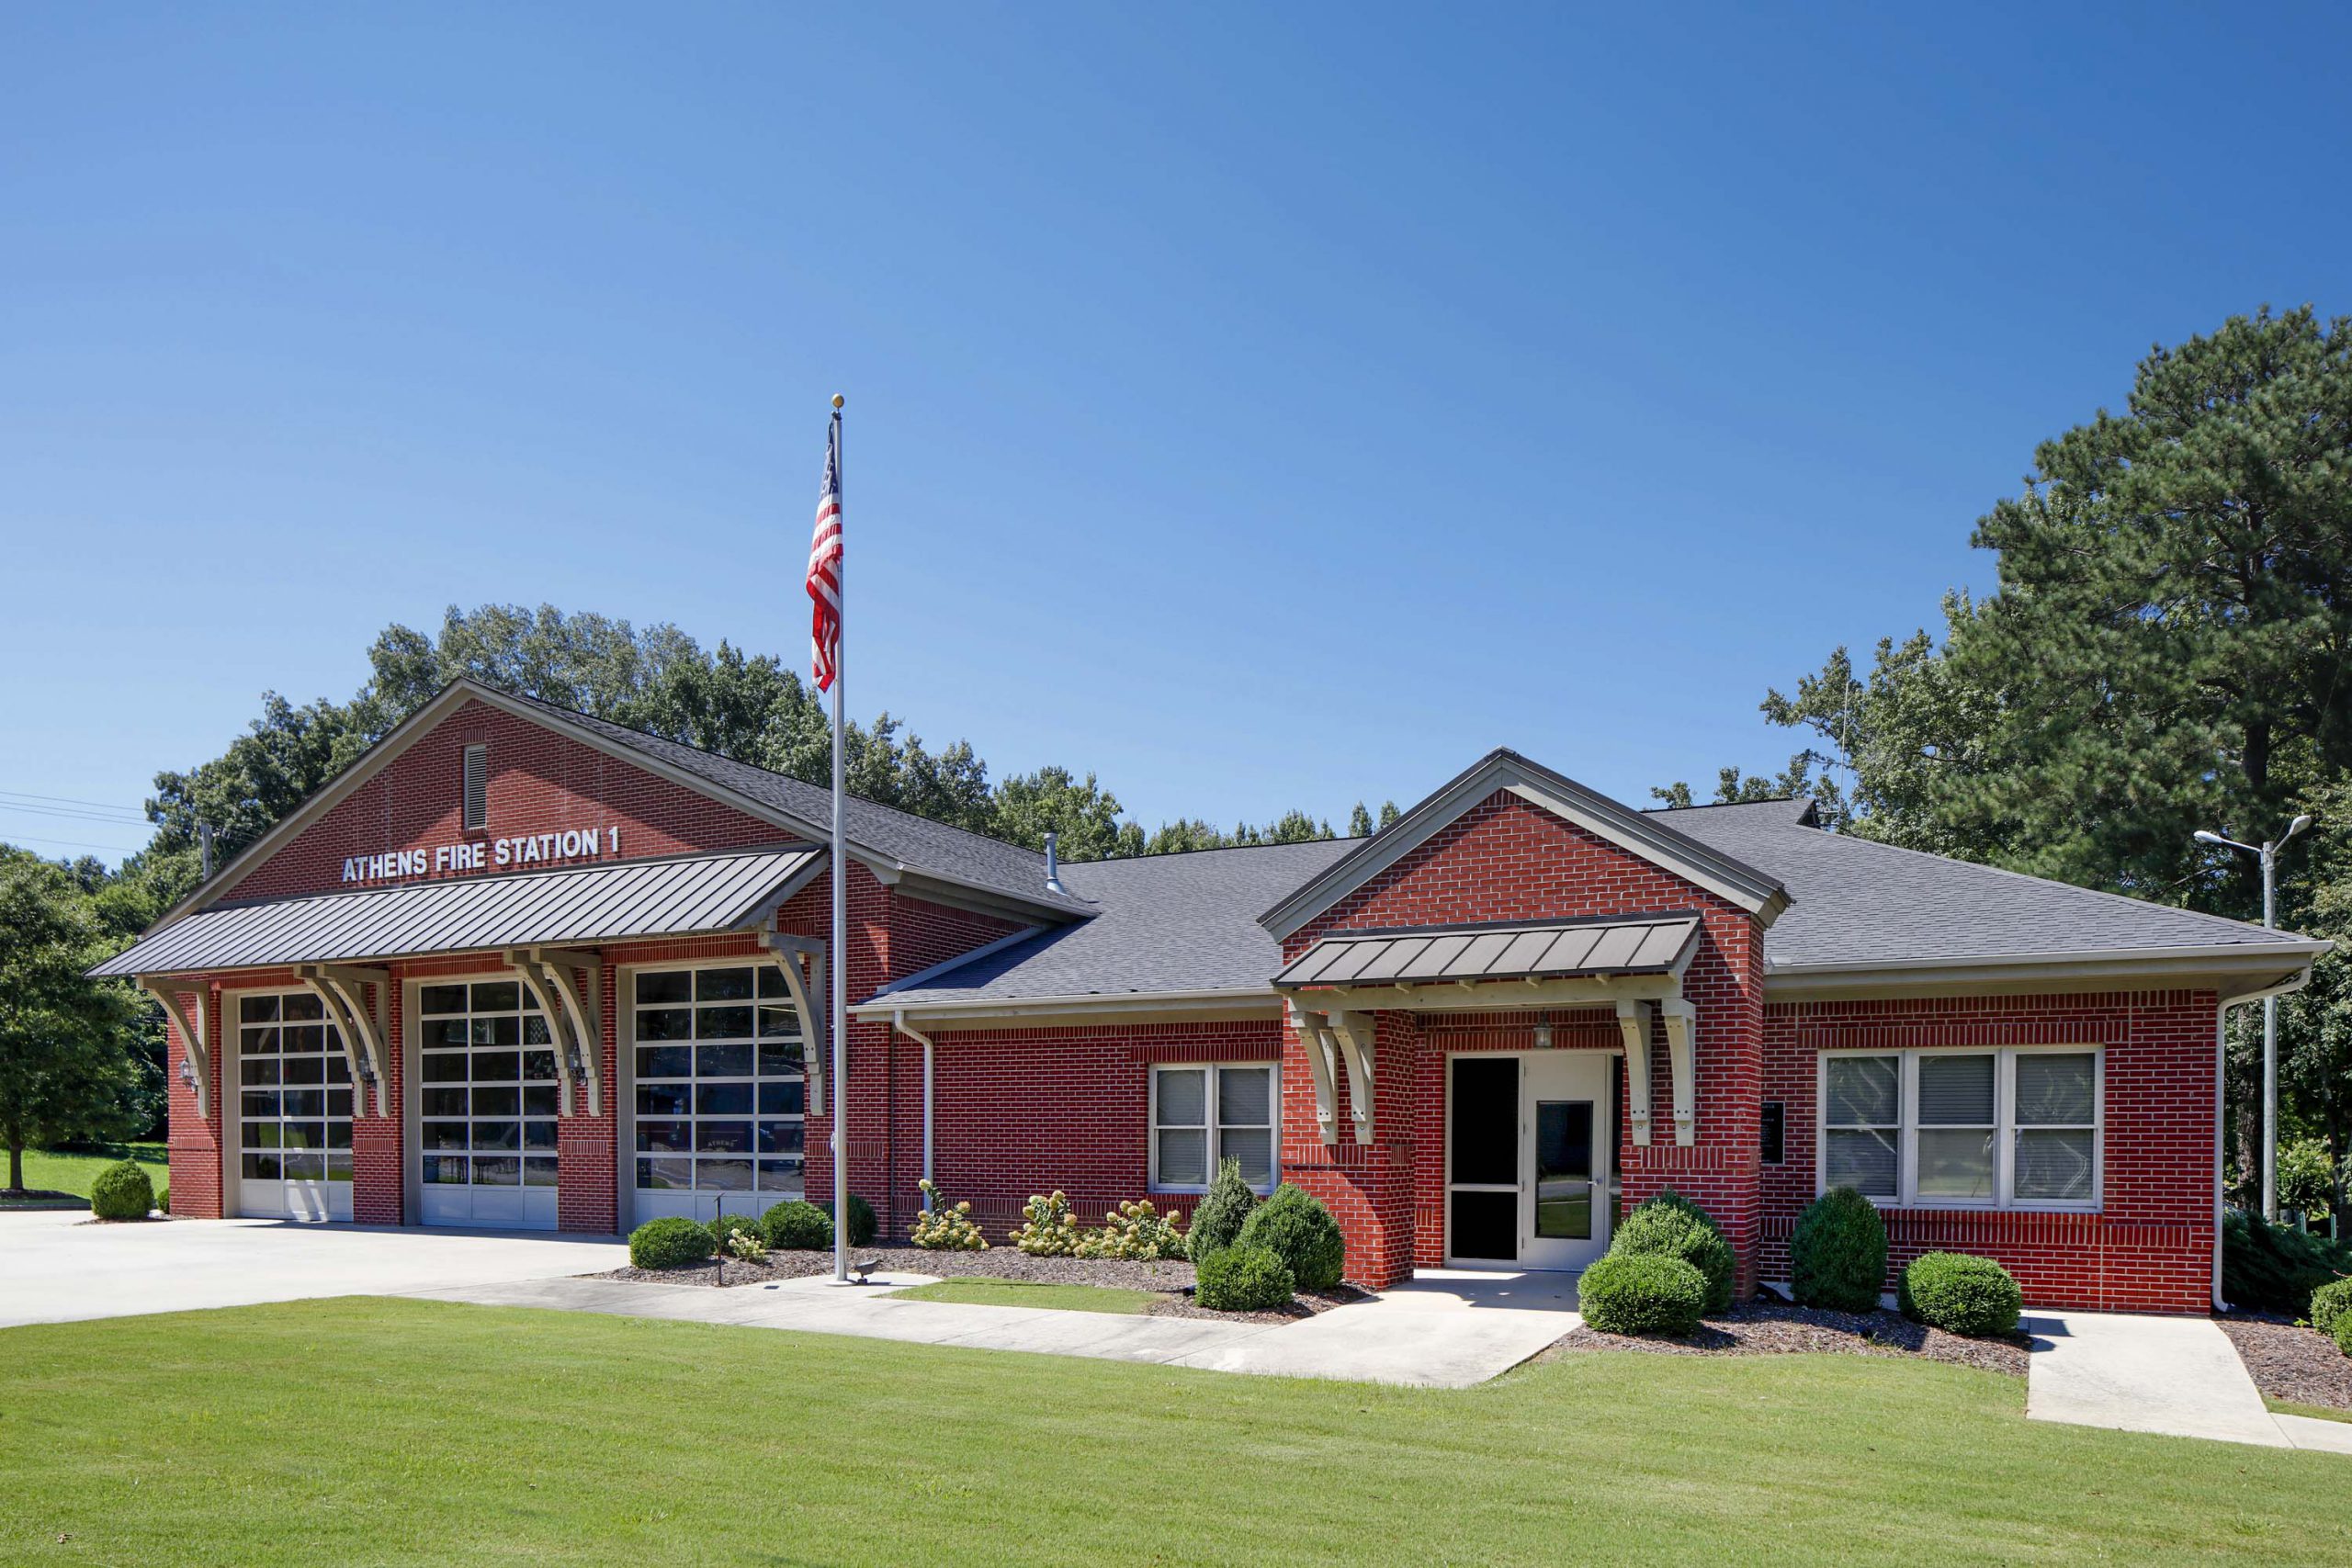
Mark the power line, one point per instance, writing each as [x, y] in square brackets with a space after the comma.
[69, 843]
[72, 815]
[69, 800]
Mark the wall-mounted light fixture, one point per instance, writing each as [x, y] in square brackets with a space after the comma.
[1543, 1032]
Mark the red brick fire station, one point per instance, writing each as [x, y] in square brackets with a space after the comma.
[521, 967]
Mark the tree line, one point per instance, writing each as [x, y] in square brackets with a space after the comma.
[2168, 649]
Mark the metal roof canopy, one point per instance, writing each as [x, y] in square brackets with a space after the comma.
[606, 903]
[1464, 954]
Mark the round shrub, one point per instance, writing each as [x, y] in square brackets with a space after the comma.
[1642, 1292]
[163, 1199]
[2342, 1335]
[1217, 1223]
[1243, 1279]
[1959, 1293]
[1672, 1226]
[1295, 1228]
[796, 1225]
[673, 1242]
[1838, 1255]
[727, 1226]
[2331, 1304]
[862, 1225]
[123, 1191]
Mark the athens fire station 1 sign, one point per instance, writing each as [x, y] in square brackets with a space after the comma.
[484, 854]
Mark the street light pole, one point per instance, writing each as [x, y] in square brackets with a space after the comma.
[2269, 854]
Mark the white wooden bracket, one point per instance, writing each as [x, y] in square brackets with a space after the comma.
[360, 1026]
[1316, 1039]
[1681, 1028]
[1633, 1024]
[199, 1059]
[1354, 1032]
[788, 951]
[577, 1025]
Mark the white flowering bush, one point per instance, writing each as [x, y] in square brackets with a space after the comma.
[747, 1245]
[943, 1228]
[1047, 1228]
[1137, 1231]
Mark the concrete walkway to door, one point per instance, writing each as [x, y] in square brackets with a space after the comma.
[2175, 1375]
[1443, 1329]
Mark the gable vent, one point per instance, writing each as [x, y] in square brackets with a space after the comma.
[476, 786]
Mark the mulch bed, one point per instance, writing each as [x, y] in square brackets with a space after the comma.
[1171, 1277]
[1769, 1327]
[2302, 1366]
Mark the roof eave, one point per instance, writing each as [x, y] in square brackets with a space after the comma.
[2231, 970]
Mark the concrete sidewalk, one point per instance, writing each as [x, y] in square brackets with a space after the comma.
[62, 1267]
[1441, 1331]
[2180, 1376]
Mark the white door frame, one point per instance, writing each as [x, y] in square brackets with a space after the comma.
[1531, 1253]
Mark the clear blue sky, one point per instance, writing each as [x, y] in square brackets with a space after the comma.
[1263, 408]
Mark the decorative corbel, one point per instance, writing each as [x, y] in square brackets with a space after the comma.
[1633, 1024]
[788, 951]
[1316, 1038]
[577, 1026]
[360, 1025]
[195, 1063]
[1681, 1031]
[1353, 1031]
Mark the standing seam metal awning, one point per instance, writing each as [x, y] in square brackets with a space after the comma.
[1653, 946]
[606, 903]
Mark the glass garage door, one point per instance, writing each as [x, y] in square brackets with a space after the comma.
[486, 1127]
[293, 1111]
[720, 1093]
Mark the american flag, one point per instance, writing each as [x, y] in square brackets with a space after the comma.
[825, 567]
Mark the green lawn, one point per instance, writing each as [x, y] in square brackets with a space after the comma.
[60, 1171]
[2320, 1412]
[379, 1431]
[977, 1291]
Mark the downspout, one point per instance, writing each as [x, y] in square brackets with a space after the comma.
[2221, 1072]
[899, 1022]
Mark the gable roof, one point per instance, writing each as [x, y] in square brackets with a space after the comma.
[1856, 903]
[896, 842]
[1167, 924]
[1637, 833]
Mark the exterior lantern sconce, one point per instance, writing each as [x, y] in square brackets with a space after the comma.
[1543, 1032]
[187, 1073]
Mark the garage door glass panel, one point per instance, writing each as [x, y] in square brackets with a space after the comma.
[722, 1084]
[490, 1093]
[294, 1110]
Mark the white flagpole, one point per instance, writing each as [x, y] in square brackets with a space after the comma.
[840, 964]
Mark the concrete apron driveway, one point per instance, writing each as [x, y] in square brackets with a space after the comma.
[58, 1267]
[2176, 1375]
[1443, 1329]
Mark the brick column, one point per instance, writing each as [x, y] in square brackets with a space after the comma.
[380, 1144]
[193, 1144]
[1367, 1186]
[587, 1179]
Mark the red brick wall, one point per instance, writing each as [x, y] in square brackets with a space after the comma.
[540, 781]
[1026, 1112]
[1509, 860]
[192, 1143]
[2149, 1249]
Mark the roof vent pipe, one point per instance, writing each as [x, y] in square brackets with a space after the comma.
[1054, 866]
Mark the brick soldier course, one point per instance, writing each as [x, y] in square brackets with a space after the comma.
[1722, 964]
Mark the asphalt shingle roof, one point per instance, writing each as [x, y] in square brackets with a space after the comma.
[915, 842]
[1856, 901]
[1185, 922]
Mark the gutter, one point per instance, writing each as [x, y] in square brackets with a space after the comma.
[899, 1022]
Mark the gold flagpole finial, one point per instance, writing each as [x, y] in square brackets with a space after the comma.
[838, 400]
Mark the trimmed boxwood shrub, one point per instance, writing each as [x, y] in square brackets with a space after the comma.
[1838, 1255]
[2331, 1304]
[1959, 1293]
[1243, 1279]
[862, 1225]
[123, 1191]
[1295, 1228]
[725, 1225]
[1642, 1292]
[1672, 1226]
[2276, 1268]
[671, 1242]
[2343, 1336]
[1217, 1224]
[163, 1199]
[796, 1225]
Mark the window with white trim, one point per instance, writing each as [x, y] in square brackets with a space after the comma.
[1202, 1114]
[2014, 1127]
